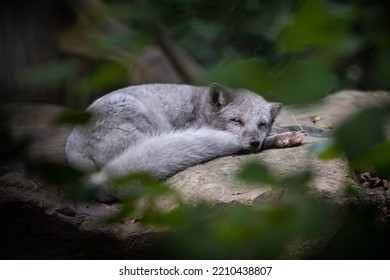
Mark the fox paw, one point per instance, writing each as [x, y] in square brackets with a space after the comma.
[289, 139]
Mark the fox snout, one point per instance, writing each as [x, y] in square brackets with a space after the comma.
[252, 144]
[251, 140]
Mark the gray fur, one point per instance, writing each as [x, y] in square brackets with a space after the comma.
[163, 129]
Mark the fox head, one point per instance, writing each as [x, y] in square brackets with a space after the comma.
[241, 112]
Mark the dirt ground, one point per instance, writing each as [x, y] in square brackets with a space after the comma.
[378, 191]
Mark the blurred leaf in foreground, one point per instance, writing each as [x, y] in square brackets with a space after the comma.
[297, 82]
[53, 73]
[251, 74]
[317, 23]
[253, 232]
[256, 172]
[377, 158]
[301, 82]
[74, 117]
[106, 76]
[362, 131]
[325, 149]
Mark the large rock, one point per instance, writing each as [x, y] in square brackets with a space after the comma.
[215, 182]
[54, 215]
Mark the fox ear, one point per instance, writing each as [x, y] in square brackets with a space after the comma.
[275, 109]
[219, 95]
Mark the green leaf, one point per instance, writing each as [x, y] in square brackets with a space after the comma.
[107, 76]
[126, 210]
[358, 134]
[139, 178]
[301, 82]
[48, 74]
[316, 24]
[59, 174]
[250, 74]
[171, 218]
[231, 229]
[74, 117]
[377, 158]
[311, 216]
[297, 182]
[325, 149]
[297, 82]
[255, 172]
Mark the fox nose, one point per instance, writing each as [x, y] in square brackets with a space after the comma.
[254, 143]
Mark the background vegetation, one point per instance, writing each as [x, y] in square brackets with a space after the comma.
[295, 52]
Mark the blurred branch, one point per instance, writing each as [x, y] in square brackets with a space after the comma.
[97, 11]
[95, 23]
[184, 63]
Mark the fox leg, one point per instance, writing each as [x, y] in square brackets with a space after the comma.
[282, 140]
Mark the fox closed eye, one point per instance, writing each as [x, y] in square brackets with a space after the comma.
[237, 120]
[261, 124]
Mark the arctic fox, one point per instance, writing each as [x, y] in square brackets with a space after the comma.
[164, 128]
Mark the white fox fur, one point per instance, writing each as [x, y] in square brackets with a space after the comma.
[164, 128]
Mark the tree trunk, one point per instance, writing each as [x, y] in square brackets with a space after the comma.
[28, 31]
